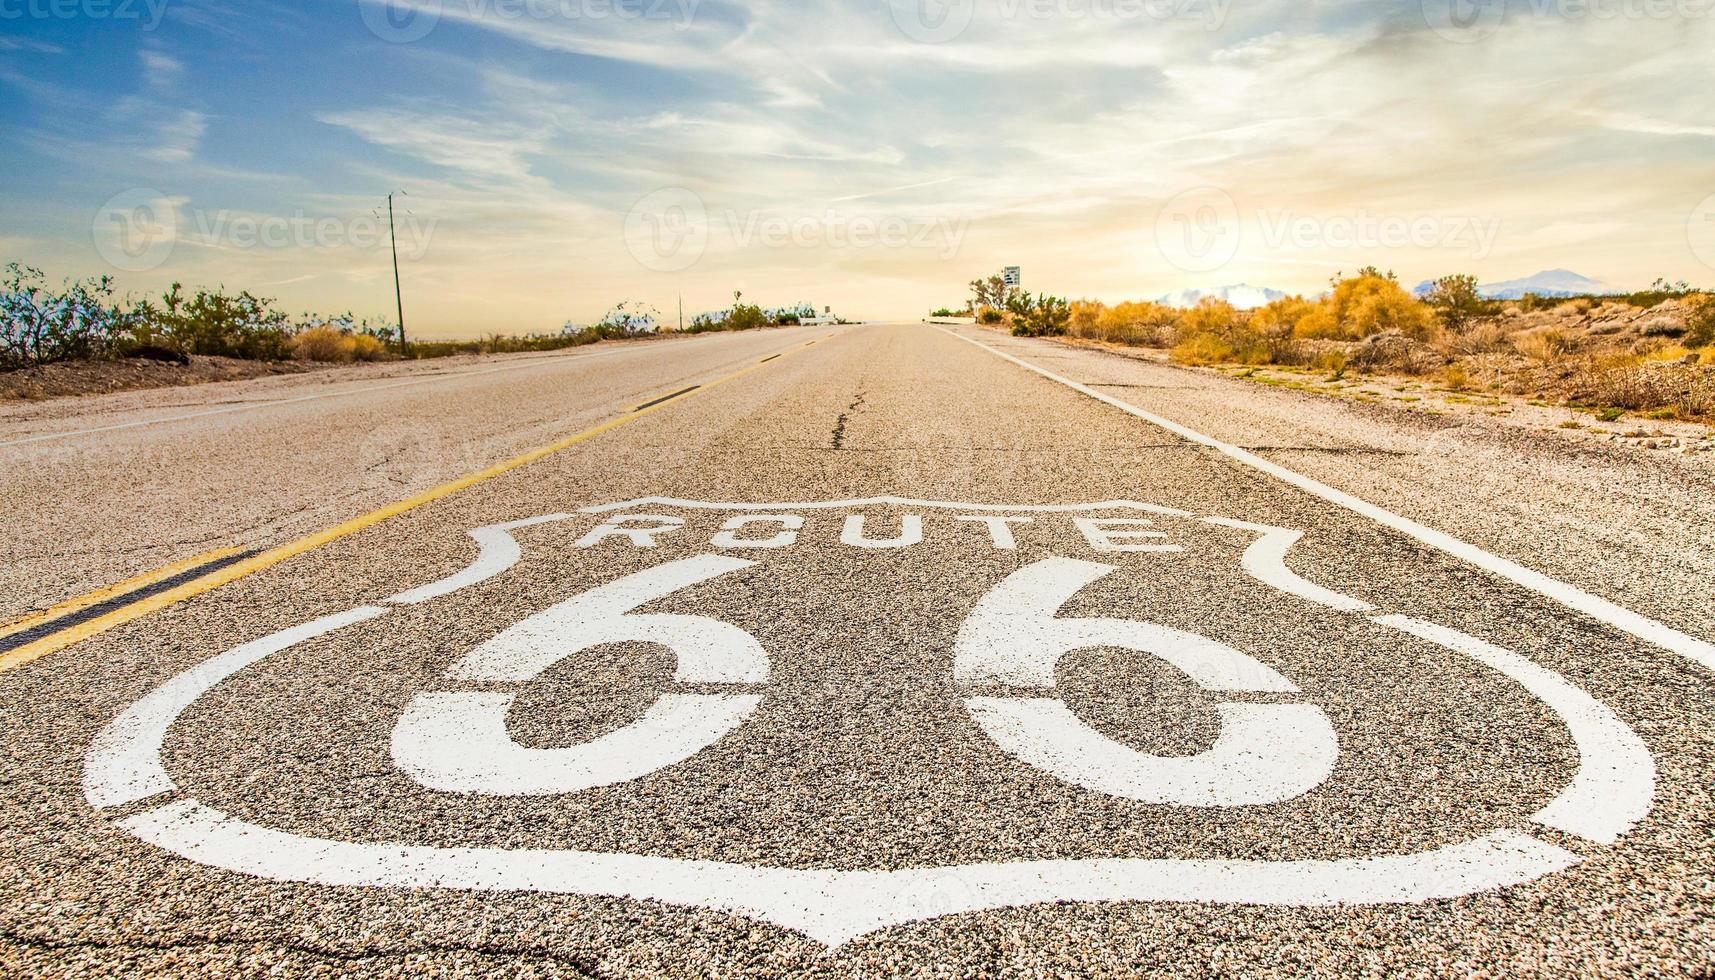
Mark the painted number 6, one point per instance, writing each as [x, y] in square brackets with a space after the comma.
[458, 742]
[1266, 753]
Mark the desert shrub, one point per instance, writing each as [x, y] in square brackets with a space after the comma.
[1369, 303]
[1214, 331]
[1281, 317]
[1203, 348]
[1212, 315]
[1686, 389]
[990, 317]
[1396, 352]
[1149, 324]
[1700, 319]
[216, 324]
[367, 347]
[1086, 317]
[742, 316]
[1456, 302]
[626, 319]
[39, 326]
[323, 343]
[945, 312]
[1544, 345]
[1658, 293]
[1479, 338]
[1039, 316]
[992, 293]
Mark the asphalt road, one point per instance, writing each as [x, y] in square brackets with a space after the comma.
[887, 655]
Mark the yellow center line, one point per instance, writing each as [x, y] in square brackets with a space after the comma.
[71, 636]
[118, 589]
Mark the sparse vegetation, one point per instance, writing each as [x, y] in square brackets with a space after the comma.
[83, 320]
[1651, 352]
[749, 316]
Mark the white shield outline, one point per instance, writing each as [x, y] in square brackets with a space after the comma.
[1612, 791]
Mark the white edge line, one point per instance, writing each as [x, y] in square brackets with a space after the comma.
[1596, 607]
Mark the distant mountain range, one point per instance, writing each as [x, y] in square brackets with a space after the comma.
[1551, 282]
[1242, 295]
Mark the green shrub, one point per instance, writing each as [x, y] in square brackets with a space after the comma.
[38, 326]
[1041, 316]
[216, 325]
[1457, 302]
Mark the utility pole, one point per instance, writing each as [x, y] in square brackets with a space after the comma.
[681, 312]
[398, 296]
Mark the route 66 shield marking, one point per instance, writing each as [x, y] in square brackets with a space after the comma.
[1004, 658]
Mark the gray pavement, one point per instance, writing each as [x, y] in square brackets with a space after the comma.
[723, 712]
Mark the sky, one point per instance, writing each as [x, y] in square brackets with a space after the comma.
[552, 158]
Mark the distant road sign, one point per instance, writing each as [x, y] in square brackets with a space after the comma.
[1013, 275]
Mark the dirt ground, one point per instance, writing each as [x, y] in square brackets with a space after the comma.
[99, 377]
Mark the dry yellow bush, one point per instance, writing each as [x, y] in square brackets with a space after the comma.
[1145, 323]
[1086, 313]
[323, 344]
[1367, 304]
[1544, 345]
[1281, 317]
[367, 348]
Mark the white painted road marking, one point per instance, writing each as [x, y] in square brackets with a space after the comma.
[499, 551]
[1615, 785]
[1611, 791]
[1596, 607]
[458, 742]
[1265, 753]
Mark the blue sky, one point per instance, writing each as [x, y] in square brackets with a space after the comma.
[560, 156]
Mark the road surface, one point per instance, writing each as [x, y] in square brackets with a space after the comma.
[882, 649]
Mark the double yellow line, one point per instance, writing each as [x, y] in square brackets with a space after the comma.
[233, 571]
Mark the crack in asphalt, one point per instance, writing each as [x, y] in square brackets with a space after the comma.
[839, 441]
